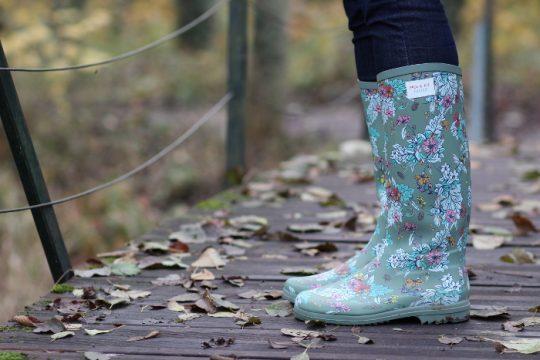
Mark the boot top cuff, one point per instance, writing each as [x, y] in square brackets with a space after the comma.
[410, 69]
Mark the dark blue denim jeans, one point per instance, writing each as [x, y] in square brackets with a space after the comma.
[393, 33]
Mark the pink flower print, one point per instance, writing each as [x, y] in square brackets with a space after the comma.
[430, 145]
[378, 108]
[393, 194]
[386, 91]
[447, 101]
[434, 257]
[359, 286]
[410, 226]
[403, 119]
[389, 112]
[397, 217]
[342, 269]
[451, 216]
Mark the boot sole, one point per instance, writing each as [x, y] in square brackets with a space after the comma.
[427, 314]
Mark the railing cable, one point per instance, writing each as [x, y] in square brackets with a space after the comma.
[168, 149]
[201, 18]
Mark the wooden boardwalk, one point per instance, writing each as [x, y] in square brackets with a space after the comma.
[494, 283]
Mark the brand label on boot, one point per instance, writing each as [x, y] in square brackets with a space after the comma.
[420, 88]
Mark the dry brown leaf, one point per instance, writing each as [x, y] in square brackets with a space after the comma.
[209, 258]
[152, 334]
[523, 224]
[26, 320]
[202, 275]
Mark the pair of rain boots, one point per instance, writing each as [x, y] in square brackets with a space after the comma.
[413, 265]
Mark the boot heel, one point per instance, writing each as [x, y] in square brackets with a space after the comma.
[443, 318]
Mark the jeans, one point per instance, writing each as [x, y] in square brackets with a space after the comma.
[394, 33]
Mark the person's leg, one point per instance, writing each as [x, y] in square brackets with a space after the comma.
[418, 268]
[408, 32]
[362, 40]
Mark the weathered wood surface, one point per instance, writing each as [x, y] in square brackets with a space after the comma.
[514, 286]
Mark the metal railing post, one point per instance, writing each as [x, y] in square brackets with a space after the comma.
[481, 130]
[32, 179]
[237, 73]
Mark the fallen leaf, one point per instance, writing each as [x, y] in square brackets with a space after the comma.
[174, 306]
[518, 325]
[280, 308]
[103, 271]
[123, 268]
[169, 280]
[153, 247]
[364, 340]
[152, 334]
[72, 327]
[488, 242]
[205, 303]
[50, 326]
[523, 224]
[261, 295]
[305, 228]
[92, 355]
[209, 258]
[111, 302]
[450, 340]
[190, 233]
[178, 247]
[522, 345]
[187, 317]
[235, 280]
[489, 312]
[138, 294]
[62, 335]
[204, 274]
[535, 309]
[519, 256]
[223, 314]
[94, 332]
[300, 333]
[245, 319]
[26, 320]
[332, 215]
[531, 175]
[251, 223]
[185, 297]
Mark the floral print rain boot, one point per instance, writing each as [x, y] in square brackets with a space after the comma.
[418, 268]
[371, 104]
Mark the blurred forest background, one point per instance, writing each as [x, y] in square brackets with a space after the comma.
[92, 125]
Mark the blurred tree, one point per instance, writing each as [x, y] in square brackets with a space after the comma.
[200, 37]
[2, 20]
[268, 82]
[453, 10]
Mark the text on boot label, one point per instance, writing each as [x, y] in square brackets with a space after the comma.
[420, 88]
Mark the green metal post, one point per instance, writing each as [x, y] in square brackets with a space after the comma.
[33, 183]
[482, 127]
[236, 111]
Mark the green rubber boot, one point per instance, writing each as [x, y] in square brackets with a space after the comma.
[419, 269]
[371, 105]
